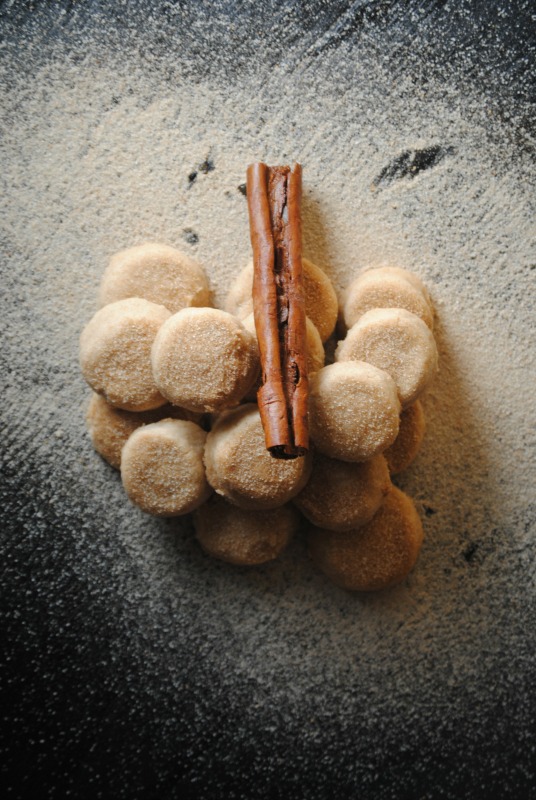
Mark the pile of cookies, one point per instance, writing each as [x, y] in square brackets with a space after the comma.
[174, 409]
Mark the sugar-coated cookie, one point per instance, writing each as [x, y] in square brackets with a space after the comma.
[204, 360]
[353, 410]
[240, 468]
[158, 273]
[376, 556]
[162, 468]
[343, 495]
[115, 353]
[243, 537]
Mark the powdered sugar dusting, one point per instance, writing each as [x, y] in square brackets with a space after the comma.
[98, 154]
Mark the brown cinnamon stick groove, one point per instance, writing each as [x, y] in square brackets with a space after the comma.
[274, 203]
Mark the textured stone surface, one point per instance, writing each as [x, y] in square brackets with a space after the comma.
[132, 664]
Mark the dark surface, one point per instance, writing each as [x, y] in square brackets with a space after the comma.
[85, 709]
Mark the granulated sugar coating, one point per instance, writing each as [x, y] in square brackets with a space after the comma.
[385, 287]
[134, 664]
[115, 353]
[162, 468]
[355, 410]
[342, 496]
[240, 468]
[110, 428]
[376, 557]
[204, 360]
[398, 342]
[156, 272]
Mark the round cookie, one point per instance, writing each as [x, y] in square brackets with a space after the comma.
[204, 360]
[396, 341]
[110, 427]
[342, 496]
[243, 537]
[240, 468]
[115, 353]
[239, 300]
[407, 444]
[385, 288]
[158, 273]
[353, 410]
[378, 555]
[162, 468]
[405, 274]
[321, 304]
[320, 299]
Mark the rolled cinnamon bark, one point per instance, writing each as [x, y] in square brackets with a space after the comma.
[274, 198]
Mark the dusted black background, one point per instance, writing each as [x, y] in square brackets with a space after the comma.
[85, 709]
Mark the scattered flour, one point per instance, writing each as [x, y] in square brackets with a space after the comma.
[102, 153]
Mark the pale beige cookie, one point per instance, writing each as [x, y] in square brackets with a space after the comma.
[239, 300]
[115, 353]
[162, 468]
[353, 410]
[110, 427]
[240, 468]
[399, 272]
[383, 288]
[204, 360]
[243, 537]
[315, 352]
[378, 555]
[396, 341]
[342, 496]
[321, 304]
[408, 442]
[158, 273]
[320, 298]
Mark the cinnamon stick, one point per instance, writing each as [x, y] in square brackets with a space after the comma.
[274, 200]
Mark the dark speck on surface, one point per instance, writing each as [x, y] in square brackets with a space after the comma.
[192, 177]
[429, 511]
[470, 552]
[410, 163]
[242, 189]
[190, 236]
[207, 166]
